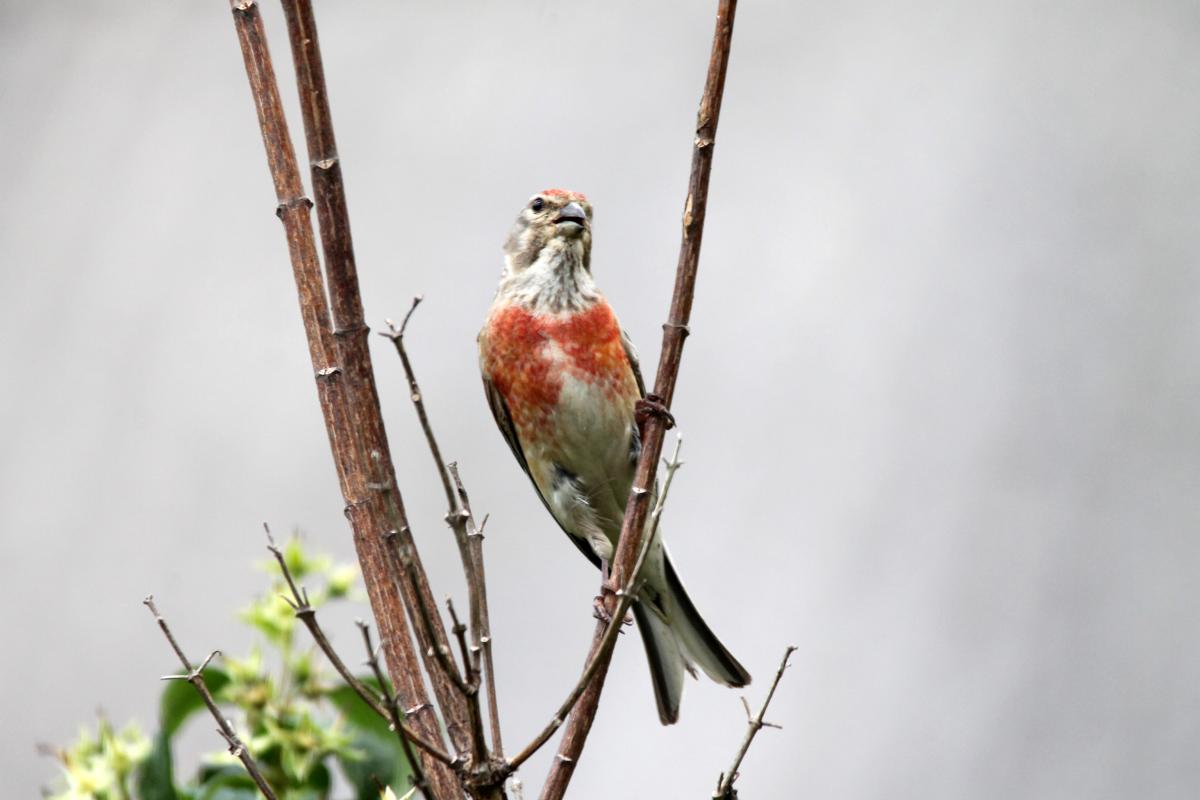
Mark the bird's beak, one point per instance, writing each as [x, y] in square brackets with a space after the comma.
[572, 213]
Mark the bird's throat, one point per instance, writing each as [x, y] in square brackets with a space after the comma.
[558, 281]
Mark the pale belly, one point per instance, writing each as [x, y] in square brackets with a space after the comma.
[586, 462]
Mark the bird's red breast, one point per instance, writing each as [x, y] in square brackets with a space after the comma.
[530, 356]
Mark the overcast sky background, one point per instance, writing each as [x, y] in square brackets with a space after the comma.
[941, 400]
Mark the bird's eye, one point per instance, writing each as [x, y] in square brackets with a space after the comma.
[538, 204]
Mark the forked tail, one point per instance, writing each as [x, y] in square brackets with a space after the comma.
[676, 638]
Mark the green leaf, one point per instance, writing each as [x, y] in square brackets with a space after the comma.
[180, 700]
[378, 759]
[155, 775]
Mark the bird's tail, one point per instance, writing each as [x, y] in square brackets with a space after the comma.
[676, 638]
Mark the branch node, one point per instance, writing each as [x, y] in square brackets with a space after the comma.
[350, 330]
[293, 203]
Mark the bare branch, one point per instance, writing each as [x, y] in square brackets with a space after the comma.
[425, 617]
[397, 337]
[308, 615]
[725, 790]
[196, 679]
[655, 424]
[480, 768]
[481, 625]
[625, 599]
[470, 659]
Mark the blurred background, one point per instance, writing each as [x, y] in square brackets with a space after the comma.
[940, 401]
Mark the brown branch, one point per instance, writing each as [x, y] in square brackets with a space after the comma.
[351, 423]
[725, 790]
[195, 676]
[481, 777]
[470, 659]
[481, 780]
[482, 763]
[626, 597]
[481, 625]
[674, 332]
[307, 614]
[426, 619]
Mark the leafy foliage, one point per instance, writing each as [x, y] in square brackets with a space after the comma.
[298, 725]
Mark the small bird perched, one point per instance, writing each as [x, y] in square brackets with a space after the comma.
[562, 380]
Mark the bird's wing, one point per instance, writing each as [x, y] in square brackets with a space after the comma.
[508, 430]
[504, 422]
[634, 363]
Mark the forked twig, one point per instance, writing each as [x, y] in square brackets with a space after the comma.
[754, 724]
[195, 677]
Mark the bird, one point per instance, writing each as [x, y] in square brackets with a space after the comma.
[563, 383]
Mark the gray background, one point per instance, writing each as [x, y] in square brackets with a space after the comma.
[940, 401]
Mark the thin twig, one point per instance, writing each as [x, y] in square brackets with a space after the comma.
[625, 599]
[414, 390]
[393, 708]
[425, 617]
[195, 677]
[307, 614]
[754, 724]
[481, 624]
[674, 332]
[470, 659]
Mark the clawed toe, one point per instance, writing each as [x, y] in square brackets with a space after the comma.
[601, 613]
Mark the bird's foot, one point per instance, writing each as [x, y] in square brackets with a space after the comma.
[652, 406]
[600, 612]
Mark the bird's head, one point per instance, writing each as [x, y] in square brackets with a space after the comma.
[555, 226]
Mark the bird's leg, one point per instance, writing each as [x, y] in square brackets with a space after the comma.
[599, 610]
